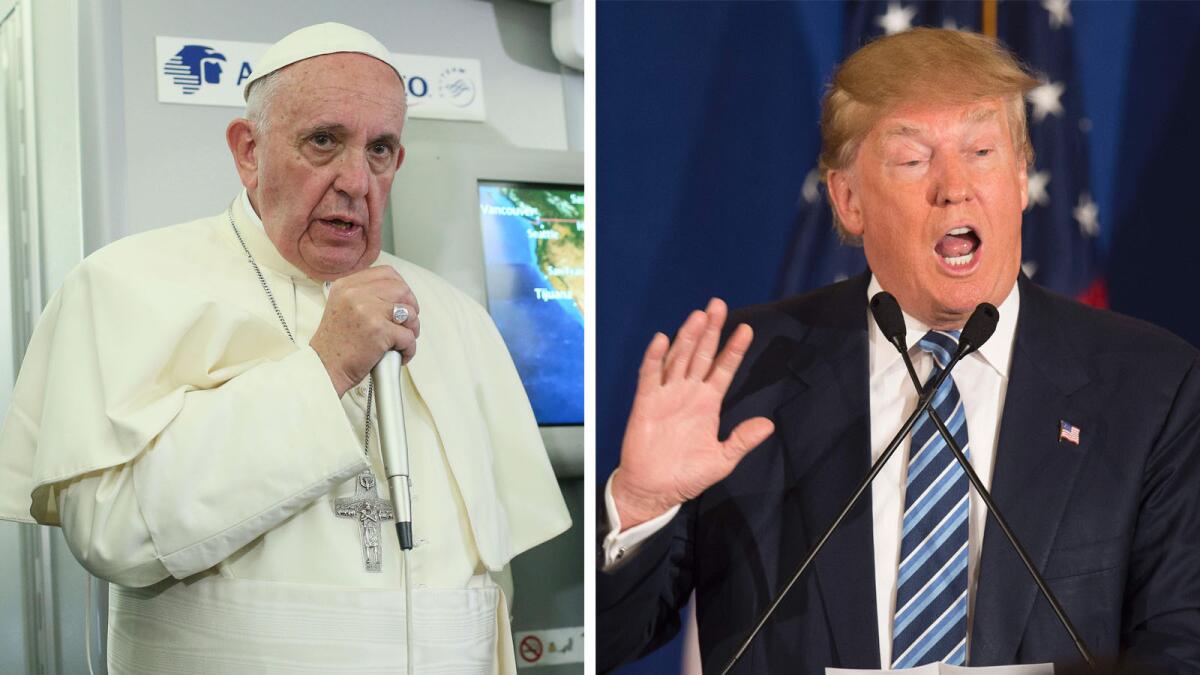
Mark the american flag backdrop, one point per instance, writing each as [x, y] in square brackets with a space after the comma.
[1060, 235]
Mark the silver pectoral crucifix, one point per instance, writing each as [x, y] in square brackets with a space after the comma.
[369, 509]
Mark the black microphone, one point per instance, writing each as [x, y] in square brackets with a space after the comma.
[981, 330]
[889, 318]
[978, 329]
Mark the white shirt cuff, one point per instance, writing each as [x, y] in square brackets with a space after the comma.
[617, 544]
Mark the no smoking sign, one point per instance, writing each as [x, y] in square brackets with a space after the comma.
[549, 647]
[531, 649]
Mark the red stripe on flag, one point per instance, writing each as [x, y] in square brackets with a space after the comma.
[1096, 295]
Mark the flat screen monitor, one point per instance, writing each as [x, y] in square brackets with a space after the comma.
[437, 222]
[533, 243]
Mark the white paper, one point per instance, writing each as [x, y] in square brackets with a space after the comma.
[947, 669]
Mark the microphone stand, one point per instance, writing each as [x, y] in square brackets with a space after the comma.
[925, 402]
[991, 506]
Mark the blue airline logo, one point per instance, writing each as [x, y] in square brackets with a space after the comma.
[194, 66]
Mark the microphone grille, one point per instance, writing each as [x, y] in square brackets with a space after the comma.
[979, 327]
[888, 316]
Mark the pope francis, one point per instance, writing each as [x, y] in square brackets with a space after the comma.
[195, 410]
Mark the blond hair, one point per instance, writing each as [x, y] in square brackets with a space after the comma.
[923, 65]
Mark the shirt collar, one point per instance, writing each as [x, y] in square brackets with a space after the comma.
[260, 245]
[996, 352]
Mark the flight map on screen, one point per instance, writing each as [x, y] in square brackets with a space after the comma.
[533, 247]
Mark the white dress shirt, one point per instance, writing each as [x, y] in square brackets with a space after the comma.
[982, 381]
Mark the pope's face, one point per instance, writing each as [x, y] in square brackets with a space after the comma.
[936, 193]
[325, 167]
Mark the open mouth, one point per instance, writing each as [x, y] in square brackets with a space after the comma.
[341, 229]
[957, 248]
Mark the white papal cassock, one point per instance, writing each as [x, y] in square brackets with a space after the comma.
[192, 455]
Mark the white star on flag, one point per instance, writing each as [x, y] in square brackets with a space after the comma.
[1037, 188]
[1060, 12]
[1045, 99]
[809, 191]
[1029, 268]
[1087, 214]
[897, 19]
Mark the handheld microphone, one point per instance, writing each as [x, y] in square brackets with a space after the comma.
[978, 329]
[981, 329]
[393, 443]
[393, 447]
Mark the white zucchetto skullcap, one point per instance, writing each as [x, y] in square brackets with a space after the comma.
[317, 40]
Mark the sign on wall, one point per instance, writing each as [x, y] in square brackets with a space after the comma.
[549, 647]
[200, 71]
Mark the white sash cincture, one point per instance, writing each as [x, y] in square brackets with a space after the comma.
[215, 624]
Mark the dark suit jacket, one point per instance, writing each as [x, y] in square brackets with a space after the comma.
[1113, 523]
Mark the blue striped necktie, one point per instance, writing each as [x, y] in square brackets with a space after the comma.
[930, 623]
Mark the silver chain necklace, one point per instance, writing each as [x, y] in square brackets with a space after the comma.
[365, 506]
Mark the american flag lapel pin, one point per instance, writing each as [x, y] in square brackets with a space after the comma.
[1068, 432]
